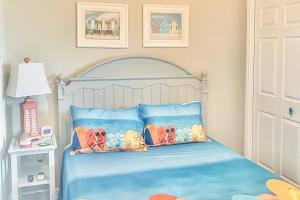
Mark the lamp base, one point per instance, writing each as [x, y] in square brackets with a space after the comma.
[29, 110]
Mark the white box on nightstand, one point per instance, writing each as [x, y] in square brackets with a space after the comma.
[31, 161]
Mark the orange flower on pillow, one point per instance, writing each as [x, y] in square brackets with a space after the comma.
[162, 135]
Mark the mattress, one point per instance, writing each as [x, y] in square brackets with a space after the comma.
[198, 171]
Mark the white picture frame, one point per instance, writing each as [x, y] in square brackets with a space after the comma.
[102, 25]
[165, 25]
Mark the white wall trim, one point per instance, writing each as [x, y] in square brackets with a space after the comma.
[249, 78]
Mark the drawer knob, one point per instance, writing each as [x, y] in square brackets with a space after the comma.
[291, 111]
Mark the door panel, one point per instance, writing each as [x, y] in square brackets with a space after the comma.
[290, 150]
[265, 139]
[268, 62]
[291, 16]
[268, 16]
[292, 13]
[276, 108]
[291, 68]
[267, 3]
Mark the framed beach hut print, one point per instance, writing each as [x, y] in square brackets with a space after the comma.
[165, 25]
[102, 25]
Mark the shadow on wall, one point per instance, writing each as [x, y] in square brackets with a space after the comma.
[5, 172]
[5, 139]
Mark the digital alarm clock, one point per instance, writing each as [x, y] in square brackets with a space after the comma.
[46, 131]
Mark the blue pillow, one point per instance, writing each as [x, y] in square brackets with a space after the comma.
[115, 122]
[172, 123]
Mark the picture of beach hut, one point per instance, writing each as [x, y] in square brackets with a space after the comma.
[102, 25]
[113, 25]
[101, 22]
[164, 27]
[91, 23]
[174, 27]
[155, 26]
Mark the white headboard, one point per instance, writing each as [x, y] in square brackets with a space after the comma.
[124, 82]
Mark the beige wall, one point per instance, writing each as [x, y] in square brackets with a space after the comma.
[46, 31]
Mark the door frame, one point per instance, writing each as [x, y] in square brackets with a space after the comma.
[249, 94]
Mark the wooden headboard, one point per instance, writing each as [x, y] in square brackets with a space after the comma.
[125, 82]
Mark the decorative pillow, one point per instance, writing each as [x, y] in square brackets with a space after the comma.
[104, 130]
[173, 123]
[90, 140]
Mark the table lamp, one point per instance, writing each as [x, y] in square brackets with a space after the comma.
[28, 79]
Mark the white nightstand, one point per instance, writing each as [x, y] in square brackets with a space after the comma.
[31, 161]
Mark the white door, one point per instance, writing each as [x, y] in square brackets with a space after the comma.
[276, 114]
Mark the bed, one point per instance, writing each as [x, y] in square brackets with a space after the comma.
[199, 171]
[195, 171]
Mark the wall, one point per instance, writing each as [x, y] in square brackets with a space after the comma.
[46, 31]
[3, 138]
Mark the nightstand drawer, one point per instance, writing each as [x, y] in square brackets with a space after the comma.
[38, 192]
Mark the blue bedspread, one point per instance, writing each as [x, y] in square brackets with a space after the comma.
[199, 171]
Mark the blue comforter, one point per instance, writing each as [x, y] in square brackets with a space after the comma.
[198, 171]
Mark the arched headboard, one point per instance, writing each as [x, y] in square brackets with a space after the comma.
[124, 82]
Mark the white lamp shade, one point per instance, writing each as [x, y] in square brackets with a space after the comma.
[27, 79]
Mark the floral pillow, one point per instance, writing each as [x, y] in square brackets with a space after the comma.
[90, 140]
[173, 123]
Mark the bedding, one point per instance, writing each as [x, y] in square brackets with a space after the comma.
[196, 171]
[172, 123]
[103, 130]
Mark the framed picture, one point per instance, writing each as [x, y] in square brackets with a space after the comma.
[102, 25]
[165, 25]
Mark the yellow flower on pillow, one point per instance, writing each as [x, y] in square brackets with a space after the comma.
[133, 140]
[198, 133]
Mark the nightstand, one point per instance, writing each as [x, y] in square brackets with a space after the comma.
[31, 161]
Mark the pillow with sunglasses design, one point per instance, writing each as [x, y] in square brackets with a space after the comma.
[117, 123]
[173, 123]
[90, 140]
